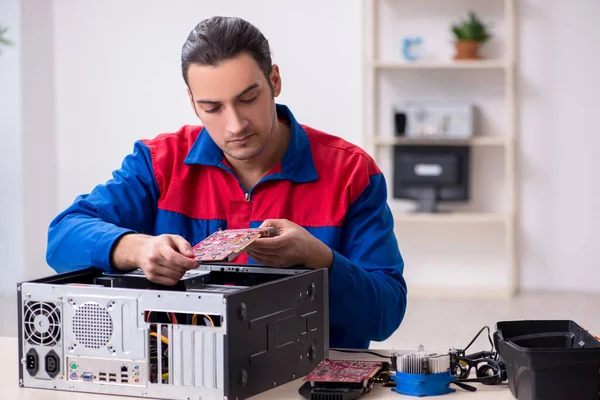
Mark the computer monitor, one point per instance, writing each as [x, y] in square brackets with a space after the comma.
[430, 174]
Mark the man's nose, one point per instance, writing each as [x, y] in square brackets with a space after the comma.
[235, 122]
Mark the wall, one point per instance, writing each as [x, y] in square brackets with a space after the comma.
[11, 172]
[38, 131]
[560, 145]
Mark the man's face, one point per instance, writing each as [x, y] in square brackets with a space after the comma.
[235, 103]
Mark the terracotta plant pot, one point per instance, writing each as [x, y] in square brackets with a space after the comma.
[467, 50]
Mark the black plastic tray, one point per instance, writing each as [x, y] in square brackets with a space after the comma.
[549, 359]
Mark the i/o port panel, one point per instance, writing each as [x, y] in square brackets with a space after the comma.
[106, 371]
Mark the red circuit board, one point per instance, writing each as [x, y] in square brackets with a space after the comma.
[224, 245]
[344, 371]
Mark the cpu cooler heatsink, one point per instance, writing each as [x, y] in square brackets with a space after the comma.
[423, 374]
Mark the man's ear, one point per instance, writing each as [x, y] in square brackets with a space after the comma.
[275, 80]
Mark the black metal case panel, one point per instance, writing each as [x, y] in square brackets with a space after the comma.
[277, 332]
[20, 331]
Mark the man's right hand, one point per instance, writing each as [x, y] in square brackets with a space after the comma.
[164, 259]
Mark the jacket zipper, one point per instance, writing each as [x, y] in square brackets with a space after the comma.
[246, 194]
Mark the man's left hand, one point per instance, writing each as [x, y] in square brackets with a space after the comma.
[294, 246]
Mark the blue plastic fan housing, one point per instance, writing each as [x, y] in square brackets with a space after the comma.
[420, 385]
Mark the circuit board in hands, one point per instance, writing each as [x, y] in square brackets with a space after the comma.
[344, 371]
[225, 245]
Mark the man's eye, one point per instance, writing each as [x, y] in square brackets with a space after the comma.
[248, 100]
[212, 110]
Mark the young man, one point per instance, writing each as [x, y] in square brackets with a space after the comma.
[250, 164]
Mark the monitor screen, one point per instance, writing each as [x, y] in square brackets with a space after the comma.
[431, 173]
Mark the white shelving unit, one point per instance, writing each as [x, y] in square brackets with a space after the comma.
[471, 249]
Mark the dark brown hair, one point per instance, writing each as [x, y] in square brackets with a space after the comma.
[218, 39]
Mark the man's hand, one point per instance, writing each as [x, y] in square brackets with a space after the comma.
[294, 246]
[164, 259]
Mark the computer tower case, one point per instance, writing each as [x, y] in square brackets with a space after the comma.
[224, 332]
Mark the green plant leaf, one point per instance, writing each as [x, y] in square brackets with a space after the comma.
[471, 29]
[4, 40]
[458, 32]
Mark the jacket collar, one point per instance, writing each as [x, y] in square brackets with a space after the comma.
[297, 164]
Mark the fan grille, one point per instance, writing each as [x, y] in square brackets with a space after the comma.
[42, 323]
[92, 325]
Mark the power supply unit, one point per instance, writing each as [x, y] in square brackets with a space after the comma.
[224, 332]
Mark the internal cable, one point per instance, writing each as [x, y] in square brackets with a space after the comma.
[163, 338]
[195, 319]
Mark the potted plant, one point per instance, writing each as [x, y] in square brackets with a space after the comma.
[3, 40]
[470, 35]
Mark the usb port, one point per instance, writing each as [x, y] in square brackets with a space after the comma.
[112, 379]
[112, 375]
[124, 381]
[102, 378]
[124, 376]
[102, 374]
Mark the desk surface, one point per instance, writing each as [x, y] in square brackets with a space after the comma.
[9, 377]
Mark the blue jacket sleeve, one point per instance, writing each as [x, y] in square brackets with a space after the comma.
[83, 235]
[367, 288]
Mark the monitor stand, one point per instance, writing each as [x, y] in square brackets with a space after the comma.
[427, 201]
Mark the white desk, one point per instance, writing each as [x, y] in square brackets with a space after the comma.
[10, 390]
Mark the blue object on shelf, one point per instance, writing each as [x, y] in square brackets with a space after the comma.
[421, 385]
[408, 51]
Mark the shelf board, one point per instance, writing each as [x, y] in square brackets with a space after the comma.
[465, 64]
[454, 217]
[475, 141]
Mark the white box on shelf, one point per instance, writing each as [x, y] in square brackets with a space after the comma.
[435, 119]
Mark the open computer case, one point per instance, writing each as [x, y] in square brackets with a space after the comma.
[224, 332]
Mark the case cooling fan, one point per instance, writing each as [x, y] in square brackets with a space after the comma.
[423, 374]
[42, 323]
